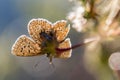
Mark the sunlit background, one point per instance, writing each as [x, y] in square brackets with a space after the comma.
[14, 17]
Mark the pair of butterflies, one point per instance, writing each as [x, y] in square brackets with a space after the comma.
[45, 38]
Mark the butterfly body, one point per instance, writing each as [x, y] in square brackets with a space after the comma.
[46, 36]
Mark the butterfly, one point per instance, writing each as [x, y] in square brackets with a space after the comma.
[45, 39]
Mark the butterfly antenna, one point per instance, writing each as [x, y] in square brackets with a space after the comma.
[36, 64]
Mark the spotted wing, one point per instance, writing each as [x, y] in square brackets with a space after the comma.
[36, 26]
[65, 44]
[60, 29]
[24, 46]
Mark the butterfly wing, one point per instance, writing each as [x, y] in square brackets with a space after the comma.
[65, 44]
[24, 46]
[60, 29]
[36, 26]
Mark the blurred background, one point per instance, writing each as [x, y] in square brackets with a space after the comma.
[14, 17]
